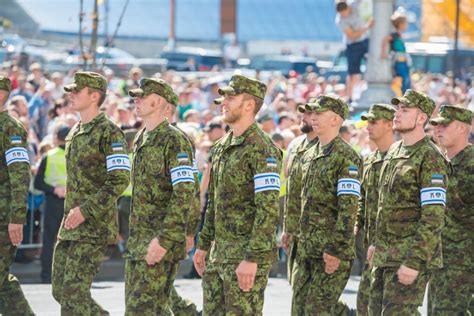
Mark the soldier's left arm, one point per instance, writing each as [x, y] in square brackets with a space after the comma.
[179, 166]
[266, 164]
[18, 167]
[114, 147]
[348, 194]
[432, 183]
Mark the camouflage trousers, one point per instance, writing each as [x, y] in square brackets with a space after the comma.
[317, 293]
[291, 258]
[74, 266]
[450, 292]
[148, 288]
[222, 295]
[180, 306]
[12, 299]
[363, 293]
[390, 297]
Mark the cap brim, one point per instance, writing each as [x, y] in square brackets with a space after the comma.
[218, 101]
[135, 93]
[402, 100]
[70, 87]
[226, 91]
[440, 121]
[301, 109]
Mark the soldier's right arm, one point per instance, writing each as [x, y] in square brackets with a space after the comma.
[360, 216]
[18, 167]
[206, 236]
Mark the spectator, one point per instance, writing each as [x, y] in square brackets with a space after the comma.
[355, 32]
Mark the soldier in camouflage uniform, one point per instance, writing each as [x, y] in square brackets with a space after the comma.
[292, 209]
[412, 198]
[163, 185]
[330, 193]
[452, 287]
[380, 124]
[98, 171]
[241, 220]
[14, 182]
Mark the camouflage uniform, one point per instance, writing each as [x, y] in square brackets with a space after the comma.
[98, 171]
[292, 209]
[163, 185]
[330, 191]
[241, 219]
[410, 217]
[452, 287]
[14, 182]
[367, 212]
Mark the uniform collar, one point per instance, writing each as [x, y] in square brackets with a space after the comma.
[149, 136]
[407, 151]
[236, 141]
[462, 154]
[86, 128]
[327, 149]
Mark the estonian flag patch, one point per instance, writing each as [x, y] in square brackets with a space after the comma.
[271, 162]
[183, 157]
[353, 170]
[15, 139]
[117, 147]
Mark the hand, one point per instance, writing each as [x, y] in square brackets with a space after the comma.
[356, 230]
[406, 276]
[370, 255]
[199, 260]
[74, 218]
[331, 263]
[370, 23]
[285, 241]
[60, 192]
[15, 231]
[155, 252]
[189, 243]
[246, 272]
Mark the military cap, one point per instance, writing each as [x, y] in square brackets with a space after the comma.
[415, 99]
[5, 84]
[379, 111]
[240, 84]
[157, 86]
[219, 101]
[326, 103]
[449, 113]
[88, 79]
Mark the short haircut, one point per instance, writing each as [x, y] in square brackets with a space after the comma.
[397, 20]
[258, 101]
[103, 95]
[341, 6]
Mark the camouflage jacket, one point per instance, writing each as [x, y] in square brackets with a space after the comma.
[458, 234]
[163, 191]
[14, 171]
[367, 213]
[243, 205]
[330, 194]
[292, 209]
[98, 171]
[194, 218]
[411, 206]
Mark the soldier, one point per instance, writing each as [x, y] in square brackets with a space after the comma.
[14, 182]
[330, 191]
[292, 210]
[452, 287]
[380, 125]
[163, 190]
[98, 171]
[407, 241]
[241, 220]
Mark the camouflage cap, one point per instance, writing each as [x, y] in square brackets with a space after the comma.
[326, 103]
[157, 86]
[219, 101]
[240, 84]
[415, 99]
[379, 111]
[5, 84]
[88, 79]
[302, 107]
[449, 113]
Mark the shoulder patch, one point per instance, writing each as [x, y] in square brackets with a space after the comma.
[353, 170]
[437, 178]
[117, 147]
[182, 157]
[15, 139]
[271, 162]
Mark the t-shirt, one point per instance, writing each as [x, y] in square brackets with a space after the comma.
[352, 21]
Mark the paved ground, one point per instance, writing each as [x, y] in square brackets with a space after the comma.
[111, 296]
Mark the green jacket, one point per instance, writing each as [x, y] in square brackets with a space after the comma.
[98, 171]
[163, 191]
[243, 206]
[330, 194]
[14, 171]
[411, 206]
